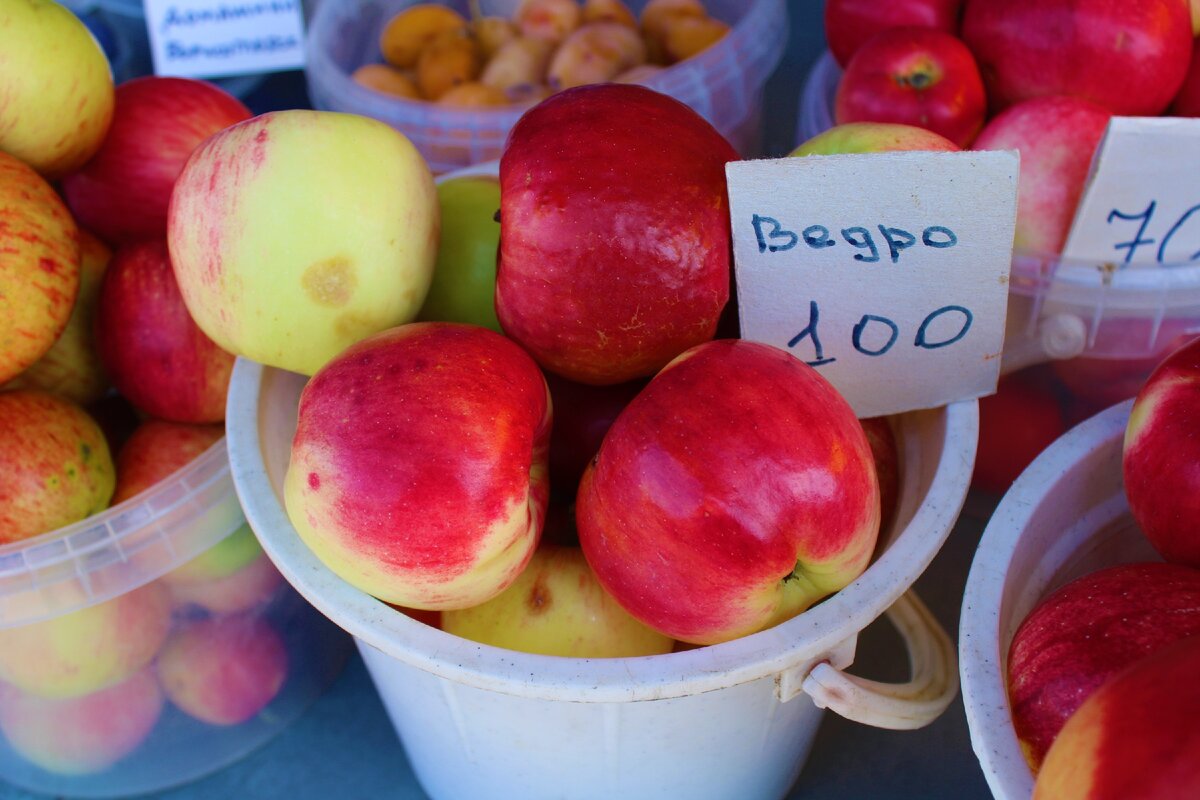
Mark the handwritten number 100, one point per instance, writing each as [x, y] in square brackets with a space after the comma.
[1139, 239]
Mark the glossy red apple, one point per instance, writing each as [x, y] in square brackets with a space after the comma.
[1135, 737]
[737, 489]
[1187, 99]
[418, 467]
[1019, 421]
[849, 23]
[1087, 631]
[1161, 457]
[914, 76]
[614, 247]
[1057, 137]
[122, 193]
[1129, 57]
[153, 351]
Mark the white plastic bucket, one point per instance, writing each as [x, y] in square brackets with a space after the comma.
[716, 722]
[1064, 517]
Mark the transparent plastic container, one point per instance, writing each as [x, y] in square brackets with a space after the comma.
[1066, 516]
[114, 633]
[724, 83]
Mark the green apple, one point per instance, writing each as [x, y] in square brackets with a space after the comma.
[557, 607]
[872, 137]
[464, 279]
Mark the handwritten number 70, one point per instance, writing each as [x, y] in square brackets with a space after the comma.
[1139, 239]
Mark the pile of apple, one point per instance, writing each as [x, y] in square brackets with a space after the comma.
[432, 53]
[99, 356]
[1042, 77]
[1102, 673]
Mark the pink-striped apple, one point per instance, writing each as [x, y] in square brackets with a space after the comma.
[123, 191]
[55, 467]
[418, 467]
[39, 271]
[1129, 57]
[56, 87]
[1056, 137]
[155, 450]
[1135, 737]
[556, 607]
[81, 735]
[297, 233]
[737, 489]
[1161, 457]
[914, 76]
[850, 23]
[873, 137]
[614, 249]
[1087, 631]
[232, 577]
[152, 350]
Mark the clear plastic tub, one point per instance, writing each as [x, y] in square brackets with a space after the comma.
[724, 83]
[1066, 516]
[109, 630]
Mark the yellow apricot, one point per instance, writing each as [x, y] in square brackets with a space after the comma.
[521, 62]
[608, 11]
[474, 94]
[687, 36]
[594, 54]
[548, 19]
[449, 60]
[656, 18]
[387, 79]
[492, 33]
[411, 30]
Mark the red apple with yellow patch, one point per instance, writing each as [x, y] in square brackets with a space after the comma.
[418, 466]
[736, 490]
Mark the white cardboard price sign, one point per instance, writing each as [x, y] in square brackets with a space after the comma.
[1141, 206]
[888, 272]
[220, 38]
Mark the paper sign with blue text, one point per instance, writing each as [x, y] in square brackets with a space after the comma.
[1141, 205]
[887, 272]
[222, 38]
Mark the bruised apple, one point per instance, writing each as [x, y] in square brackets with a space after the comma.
[737, 489]
[418, 467]
[614, 232]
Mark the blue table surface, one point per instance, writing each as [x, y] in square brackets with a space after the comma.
[345, 747]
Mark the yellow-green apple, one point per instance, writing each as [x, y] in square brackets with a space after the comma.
[464, 278]
[1129, 57]
[1187, 100]
[886, 453]
[90, 649]
[1056, 137]
[737, 489]
[122, 193]
[81, 735]
[1136, 737]
[1161, 457]
[155, 450]
[1084, 633]
[873, 137]
[1019, 421]
[223, 671]
[55, 466]
[614, 249]
[71, 367]
[56, 88]
[153, 351]
[556, 607]
[914, 76]
[438, 502]
[39, 271]
[297, 233]
[850, 23]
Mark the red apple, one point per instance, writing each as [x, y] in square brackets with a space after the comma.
[122, 193]
[737, 489]
[582, 415]
[418, 467]
[1161, 458]
[39, 270]
[155, 450]
[914, 76]
[1057, 137]
[849, 23]
[873, 137]
[614, 232]
[1087, 631]
[55, 467]
[1129, 57]
[886, 453]
[1187, 99]
[1135, 737]
[153, 351]
[1019, 421]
